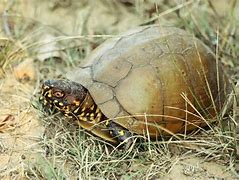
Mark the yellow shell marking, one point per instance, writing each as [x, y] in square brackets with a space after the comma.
[82, 114]
[49, 95]
[61, 104]
[55, 101]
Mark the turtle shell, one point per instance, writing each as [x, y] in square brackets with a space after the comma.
[154, 80]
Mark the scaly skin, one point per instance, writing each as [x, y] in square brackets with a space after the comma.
[74, 101]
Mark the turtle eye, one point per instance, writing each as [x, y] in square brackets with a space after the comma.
[58, 94]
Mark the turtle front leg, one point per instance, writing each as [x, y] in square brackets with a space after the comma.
[120, 133]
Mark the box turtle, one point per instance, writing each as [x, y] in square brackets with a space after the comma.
[151, 80]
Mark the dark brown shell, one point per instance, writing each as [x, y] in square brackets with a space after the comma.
[154, 79]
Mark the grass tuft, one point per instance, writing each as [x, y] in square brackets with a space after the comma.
[39, 146]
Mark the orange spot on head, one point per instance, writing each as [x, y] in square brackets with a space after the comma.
[77, 103]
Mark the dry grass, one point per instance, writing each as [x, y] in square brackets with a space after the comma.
[33, 146]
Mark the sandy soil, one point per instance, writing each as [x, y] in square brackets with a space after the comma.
[21, 129]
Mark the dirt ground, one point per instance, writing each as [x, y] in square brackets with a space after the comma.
[42, 39]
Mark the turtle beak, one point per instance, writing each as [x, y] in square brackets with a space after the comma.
[45, 91]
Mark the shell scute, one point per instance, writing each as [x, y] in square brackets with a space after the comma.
[162, 77]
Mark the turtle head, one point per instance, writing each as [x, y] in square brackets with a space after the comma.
[62, 95]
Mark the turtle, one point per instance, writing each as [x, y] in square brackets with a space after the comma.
[150, 80]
